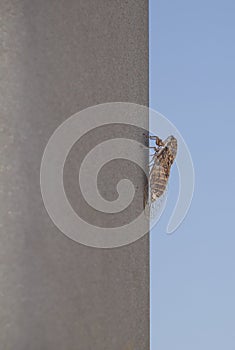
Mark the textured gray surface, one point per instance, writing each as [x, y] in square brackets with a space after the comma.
[58, 57]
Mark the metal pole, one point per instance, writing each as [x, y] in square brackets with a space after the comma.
[58, 57]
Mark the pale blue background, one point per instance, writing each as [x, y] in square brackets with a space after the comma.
[192, 83]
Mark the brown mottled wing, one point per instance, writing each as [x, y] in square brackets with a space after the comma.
[158, 177]
[160, 170]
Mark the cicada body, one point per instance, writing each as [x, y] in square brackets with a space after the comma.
[160, 166]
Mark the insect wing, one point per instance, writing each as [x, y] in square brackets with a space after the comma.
[154, 209]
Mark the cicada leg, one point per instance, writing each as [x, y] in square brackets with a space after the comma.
[157, 139]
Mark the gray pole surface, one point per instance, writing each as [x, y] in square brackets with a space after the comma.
[59, 57]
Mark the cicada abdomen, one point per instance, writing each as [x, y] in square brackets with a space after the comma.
[160, 166]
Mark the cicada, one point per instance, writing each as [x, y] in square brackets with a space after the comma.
[159, 170]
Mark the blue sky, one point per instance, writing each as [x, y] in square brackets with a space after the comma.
[192, 83]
